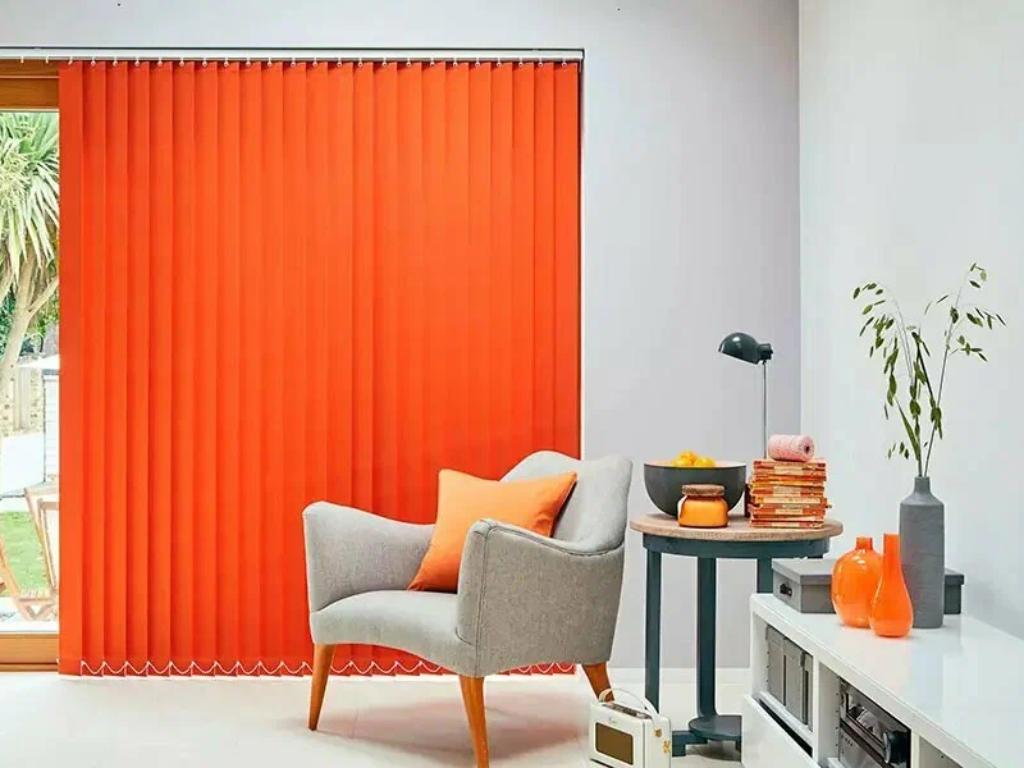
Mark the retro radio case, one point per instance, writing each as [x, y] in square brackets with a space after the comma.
[622, 736]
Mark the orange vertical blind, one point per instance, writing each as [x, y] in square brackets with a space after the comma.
[289, 282]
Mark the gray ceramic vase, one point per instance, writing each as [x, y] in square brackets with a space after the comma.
[923, 546]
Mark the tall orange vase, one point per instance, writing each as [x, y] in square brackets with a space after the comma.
[891, 611]
[855, 581]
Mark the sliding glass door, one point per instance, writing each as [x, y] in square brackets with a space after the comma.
[29, 366]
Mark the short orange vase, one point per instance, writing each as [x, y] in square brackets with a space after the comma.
[892, 614]
[854, 583]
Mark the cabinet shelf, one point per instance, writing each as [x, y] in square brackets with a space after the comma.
[778, 709]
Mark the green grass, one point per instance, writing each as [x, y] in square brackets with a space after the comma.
[24, 553]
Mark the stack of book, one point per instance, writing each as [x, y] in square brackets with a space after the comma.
[787, 494]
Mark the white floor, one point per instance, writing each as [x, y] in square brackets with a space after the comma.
[47, 720]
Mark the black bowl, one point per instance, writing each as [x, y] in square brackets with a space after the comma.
[665, 482]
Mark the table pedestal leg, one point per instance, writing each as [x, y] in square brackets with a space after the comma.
[709, 725]
[707, 622]
[764, 575]
[652, 671]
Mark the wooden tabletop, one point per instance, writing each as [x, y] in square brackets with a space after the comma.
[739, 529]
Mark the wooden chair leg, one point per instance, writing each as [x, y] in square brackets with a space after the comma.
[323, 655]
[597, 674]
[473, 699]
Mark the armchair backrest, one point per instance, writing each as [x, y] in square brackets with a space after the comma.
[594, 518]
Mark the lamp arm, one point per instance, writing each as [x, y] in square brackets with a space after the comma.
[764, 408]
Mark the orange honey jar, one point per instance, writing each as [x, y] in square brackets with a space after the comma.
[703, 506]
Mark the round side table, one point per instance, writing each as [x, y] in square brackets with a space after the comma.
[739, 540]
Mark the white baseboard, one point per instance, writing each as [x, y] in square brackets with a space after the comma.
[723, 675]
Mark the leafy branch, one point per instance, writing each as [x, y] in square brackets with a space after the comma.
[911, 392]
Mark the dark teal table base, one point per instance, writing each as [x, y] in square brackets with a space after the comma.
[708, 725]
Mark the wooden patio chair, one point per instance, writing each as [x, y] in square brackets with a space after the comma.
[32, 605]
[44, 505]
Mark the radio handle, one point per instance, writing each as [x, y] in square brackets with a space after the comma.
[645, 705]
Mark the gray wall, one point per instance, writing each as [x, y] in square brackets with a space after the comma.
[690, 224]
[912, 166]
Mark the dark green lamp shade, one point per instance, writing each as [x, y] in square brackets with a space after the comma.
[745, 347]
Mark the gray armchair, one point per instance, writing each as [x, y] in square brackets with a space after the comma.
[522, 599]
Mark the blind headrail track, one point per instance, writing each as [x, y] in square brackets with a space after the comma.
[27, 53]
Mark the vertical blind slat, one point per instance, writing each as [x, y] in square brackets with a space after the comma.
[251, 280]
[208, 267]
[115, 310]
[72, 115]
[567, 262]
[94, 342]
[162, 359]
[137, 354]
[227, 354]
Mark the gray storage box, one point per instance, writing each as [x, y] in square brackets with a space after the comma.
[790, 674]
[776, 664]
[954, 592]
[799, 680]
[806, 584]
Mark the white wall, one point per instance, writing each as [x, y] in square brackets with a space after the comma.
[690, 208]
[912, 166]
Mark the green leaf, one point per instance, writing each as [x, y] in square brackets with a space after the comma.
[890, 361]
[856, 292]
[936, 419]
[912, 434]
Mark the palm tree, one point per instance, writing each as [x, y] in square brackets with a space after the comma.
[28, 226]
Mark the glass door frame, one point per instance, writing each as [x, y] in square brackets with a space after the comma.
[27, 85]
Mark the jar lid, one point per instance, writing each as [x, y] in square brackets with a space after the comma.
[704, 491]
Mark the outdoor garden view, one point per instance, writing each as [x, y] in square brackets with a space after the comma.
[29, 367]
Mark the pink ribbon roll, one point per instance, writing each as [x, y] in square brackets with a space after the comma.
[791, 447]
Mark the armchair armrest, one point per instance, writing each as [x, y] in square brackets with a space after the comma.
[349, 551]
[527, 599]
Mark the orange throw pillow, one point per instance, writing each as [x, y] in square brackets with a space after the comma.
[463, 499]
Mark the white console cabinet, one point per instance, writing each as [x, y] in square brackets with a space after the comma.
[959, 689]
